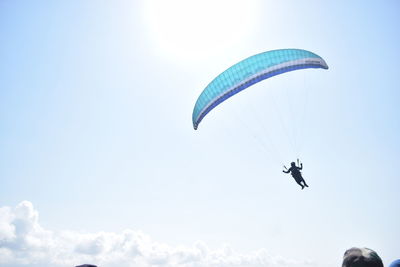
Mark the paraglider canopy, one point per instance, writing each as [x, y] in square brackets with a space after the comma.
[250, 71]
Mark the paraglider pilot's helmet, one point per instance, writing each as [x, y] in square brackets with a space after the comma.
[293, 164]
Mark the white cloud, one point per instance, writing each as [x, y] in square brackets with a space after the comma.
[23, 242]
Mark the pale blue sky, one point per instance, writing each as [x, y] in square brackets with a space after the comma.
[95, 123]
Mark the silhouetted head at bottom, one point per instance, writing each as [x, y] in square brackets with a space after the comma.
[361, 257]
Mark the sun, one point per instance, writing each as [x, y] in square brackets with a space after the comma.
[195, 30]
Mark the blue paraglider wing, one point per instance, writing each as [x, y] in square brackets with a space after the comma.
[250, 71]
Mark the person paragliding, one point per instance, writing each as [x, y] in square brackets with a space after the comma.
[250, 71]
[295, 172]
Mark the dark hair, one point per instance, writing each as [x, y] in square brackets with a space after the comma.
[361, 257]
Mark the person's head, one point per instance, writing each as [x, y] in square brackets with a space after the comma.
[396, 263]
[361, 257]
[293, 164]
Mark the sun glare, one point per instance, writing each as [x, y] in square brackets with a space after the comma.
[196, 30]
